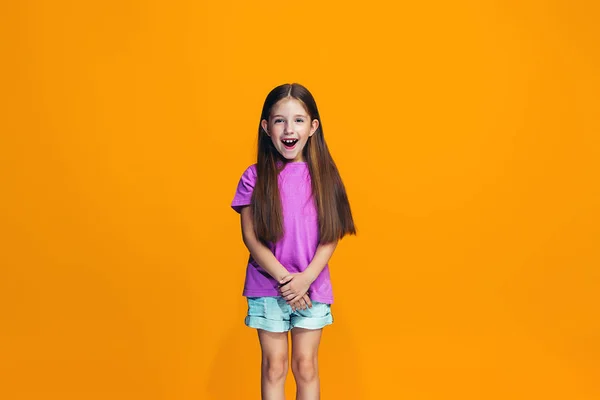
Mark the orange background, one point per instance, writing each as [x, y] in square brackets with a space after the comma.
[467, 134]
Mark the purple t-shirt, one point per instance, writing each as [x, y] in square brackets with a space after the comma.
[296, 249]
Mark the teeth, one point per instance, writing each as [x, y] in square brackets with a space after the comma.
[289, 141]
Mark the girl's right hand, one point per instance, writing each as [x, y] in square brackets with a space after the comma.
[302, 304]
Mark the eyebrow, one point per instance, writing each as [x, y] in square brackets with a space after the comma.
[297, 115]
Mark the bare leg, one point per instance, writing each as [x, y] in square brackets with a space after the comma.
[274, 366]
[305, 347]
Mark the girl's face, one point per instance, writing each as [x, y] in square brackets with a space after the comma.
[289, 127]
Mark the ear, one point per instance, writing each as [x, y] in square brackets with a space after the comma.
[314, 126]
[264, 125]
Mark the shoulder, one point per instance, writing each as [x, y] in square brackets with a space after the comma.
[251, 169]
[245, 187]
[250, 172]
[249, 176]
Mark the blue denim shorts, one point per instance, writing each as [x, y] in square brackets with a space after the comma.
[274, 314]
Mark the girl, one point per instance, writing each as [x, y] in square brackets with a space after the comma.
[294, 209]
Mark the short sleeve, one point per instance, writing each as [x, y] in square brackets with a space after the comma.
[243, 194]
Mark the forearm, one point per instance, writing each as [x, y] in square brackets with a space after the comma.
[259, 252]
[265, 257]
[320, 260]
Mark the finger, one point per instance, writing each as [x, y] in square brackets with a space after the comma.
[294, 306]
[286, 279]
[308, 302]
[302, 303]
[294, 299]
[285, 288]
[290, 298]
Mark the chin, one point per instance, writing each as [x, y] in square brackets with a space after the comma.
[288, 157]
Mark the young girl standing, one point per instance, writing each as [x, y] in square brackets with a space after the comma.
[294, 209]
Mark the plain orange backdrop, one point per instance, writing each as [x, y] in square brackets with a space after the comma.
[467, 134]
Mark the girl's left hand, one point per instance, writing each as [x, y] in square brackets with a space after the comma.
[293, 287]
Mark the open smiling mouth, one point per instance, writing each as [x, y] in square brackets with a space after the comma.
[289, 143]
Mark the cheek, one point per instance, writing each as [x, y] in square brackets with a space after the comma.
[275, 131]
[274, 139]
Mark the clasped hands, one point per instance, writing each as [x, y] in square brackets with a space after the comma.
[294, 289]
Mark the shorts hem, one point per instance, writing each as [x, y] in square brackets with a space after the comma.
[313, 323]
[267, 325]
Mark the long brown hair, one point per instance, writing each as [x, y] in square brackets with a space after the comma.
[329, 194]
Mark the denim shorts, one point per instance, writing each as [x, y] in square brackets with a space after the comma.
[274, 314]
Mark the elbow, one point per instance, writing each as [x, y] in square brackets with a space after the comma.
[253, 244]
[249, 240]
[245, 240]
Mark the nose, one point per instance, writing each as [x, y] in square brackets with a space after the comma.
[288, 129]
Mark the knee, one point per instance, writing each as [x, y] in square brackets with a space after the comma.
[275, 368]
[305, 368]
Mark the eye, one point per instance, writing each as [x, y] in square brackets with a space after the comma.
[300, 120]
[278, 120]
